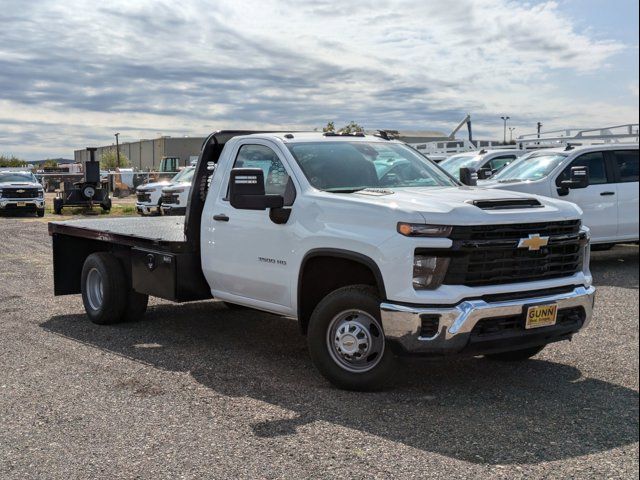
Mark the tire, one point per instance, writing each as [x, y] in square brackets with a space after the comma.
[104, 289]
[516, 355]
[351, 313]
[40, 212]
[57, 206]
[106, 205]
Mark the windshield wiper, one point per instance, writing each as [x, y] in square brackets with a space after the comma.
[510, 180]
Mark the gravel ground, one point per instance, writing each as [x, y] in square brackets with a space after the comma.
[198, 390]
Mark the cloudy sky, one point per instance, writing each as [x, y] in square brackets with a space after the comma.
[74, 72]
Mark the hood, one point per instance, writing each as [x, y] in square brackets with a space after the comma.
[518, 185]
[153, 185]
[174, 186]
[454, 205]
[20, 184]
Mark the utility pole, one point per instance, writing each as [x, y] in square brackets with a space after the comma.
[117, 151]
[511, 129]
[539, 127]
[504, 138]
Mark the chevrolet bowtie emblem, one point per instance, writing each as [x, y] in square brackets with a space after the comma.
[534, 243]
[20, 191]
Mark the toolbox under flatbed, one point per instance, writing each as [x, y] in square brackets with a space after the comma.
[159, 233]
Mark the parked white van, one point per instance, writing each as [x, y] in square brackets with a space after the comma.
[610, 201]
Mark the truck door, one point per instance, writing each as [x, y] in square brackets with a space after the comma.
[599, 200]
[247, 258]
[626, 165]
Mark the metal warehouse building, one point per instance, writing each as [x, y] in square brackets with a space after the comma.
[146, 154]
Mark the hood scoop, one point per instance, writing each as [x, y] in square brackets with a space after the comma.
[506, 203]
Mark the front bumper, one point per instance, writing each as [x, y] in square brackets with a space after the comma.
[147, 208]
[457, 332]
[170, 210]
[21, 203]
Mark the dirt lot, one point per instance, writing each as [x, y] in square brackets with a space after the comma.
[200, 391]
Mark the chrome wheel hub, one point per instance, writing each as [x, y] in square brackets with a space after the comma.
[95, 289]
[355, 341]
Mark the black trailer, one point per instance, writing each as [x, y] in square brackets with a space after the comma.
[86, 193]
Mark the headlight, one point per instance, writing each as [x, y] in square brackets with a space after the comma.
[423, 230]
[429, 272]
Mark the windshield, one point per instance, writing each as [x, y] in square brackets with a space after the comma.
[185, 175]
[455, 163]
[17, 177]
[352, 166]
[533, 167]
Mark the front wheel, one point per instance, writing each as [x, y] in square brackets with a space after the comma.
[346, 341]
[516, 355]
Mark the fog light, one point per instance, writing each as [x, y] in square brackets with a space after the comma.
[429, 272]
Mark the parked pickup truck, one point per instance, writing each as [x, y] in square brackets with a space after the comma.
[609, 199]
[175, 197]
[149, 195]
[406, 261]
[21, 192]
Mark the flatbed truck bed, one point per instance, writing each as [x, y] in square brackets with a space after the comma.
[163, 264]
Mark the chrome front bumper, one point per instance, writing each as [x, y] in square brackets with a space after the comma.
[402, 324]
[29, 202]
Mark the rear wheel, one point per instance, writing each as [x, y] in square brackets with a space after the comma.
[516, 355]
[57, 206]
[40, 212]
[346, 341]
[106, 294]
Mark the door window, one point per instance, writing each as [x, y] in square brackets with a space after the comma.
[597, 170]
[276, 178]
[497, 163]
[627, 163]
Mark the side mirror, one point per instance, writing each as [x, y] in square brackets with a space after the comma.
[579, 178]
[246, 190]
[485, 173]
[469, 177]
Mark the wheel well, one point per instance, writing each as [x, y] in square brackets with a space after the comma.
[322, 274]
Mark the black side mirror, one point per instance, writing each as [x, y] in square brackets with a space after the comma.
[485, 173]
[579, 178]
[246, 190]
[469, 177]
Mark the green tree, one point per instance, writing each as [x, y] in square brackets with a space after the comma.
[11, 161]
[351, 127]
[109, 160]
[50, 164]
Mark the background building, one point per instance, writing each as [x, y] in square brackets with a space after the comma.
[146, 154]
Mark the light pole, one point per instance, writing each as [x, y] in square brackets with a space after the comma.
[504, 138]
[117, 151]
[511, 129]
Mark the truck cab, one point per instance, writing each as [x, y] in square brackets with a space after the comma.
[488, 161]
[610, 199]
[373, 249]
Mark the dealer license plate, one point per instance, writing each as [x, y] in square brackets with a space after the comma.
[22, 204]
[541, 316]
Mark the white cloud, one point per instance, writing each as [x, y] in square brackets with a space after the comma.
[71, 73]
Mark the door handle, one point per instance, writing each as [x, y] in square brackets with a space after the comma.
[605, 194]
[221, 217]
